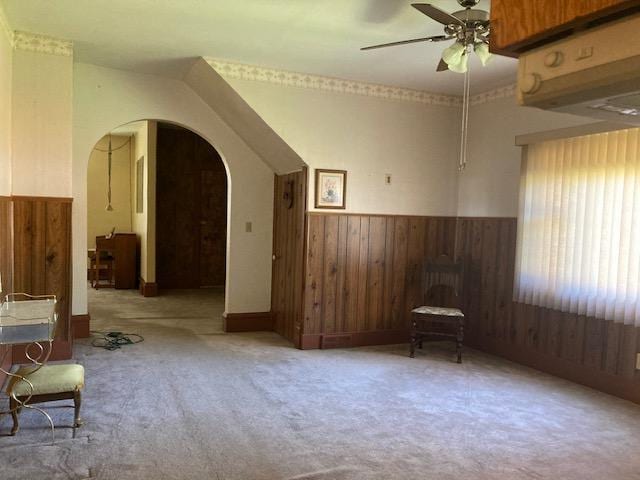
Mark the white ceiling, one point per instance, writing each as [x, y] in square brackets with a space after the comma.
[322, 37]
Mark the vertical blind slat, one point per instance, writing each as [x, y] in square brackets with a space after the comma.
[579, 226]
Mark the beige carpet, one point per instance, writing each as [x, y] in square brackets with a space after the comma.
[193, 403]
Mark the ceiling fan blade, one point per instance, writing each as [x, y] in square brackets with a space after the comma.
[442, 66]
[436, 38]
[436, 14]
[441, 38]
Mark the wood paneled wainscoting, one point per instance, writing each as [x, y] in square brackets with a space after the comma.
[586, 350]
[364, 274]
[41, 260]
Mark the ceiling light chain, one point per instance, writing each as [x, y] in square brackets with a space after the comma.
[109, 151]
[109, 154]
[465, 121]
[470, 28]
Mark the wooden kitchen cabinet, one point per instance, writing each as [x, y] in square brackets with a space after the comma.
[520, 25]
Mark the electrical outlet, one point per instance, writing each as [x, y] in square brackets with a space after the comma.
[638, 361]
[248, 227]
[387, 179]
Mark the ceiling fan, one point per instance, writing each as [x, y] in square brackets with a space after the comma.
[469, 28]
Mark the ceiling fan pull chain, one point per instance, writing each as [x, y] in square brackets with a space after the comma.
[465, 121]
[109, 154]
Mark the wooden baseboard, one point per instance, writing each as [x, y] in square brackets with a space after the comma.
[353, 339]
[80, 326]
[62, 350]
[248, 322]
[148, 289]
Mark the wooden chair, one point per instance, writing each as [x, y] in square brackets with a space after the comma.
[102, 267]
[441, 317]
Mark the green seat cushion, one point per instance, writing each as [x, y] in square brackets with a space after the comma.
[48, 380]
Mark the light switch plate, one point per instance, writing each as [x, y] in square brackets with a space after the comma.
[387, 179]
[248, 227]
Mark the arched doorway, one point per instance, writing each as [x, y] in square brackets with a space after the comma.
[250, 179]
[167, 187]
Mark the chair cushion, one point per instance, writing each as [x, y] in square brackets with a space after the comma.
[48, 380]
[449, 312]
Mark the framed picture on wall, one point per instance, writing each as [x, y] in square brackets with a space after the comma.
[140, 185]
[331, 188]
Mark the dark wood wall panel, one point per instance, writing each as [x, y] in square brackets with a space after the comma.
[42, 259]
[587, 350]
[364, 274]
[191, 211]
[290, 202]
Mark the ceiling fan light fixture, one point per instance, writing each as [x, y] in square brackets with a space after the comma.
[482, 51]
[455, 57]
[461, 66]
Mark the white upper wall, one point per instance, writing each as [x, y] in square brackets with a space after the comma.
[41, 118]
[368, 136]
[337, 125]
[489, 185]
[6, 74]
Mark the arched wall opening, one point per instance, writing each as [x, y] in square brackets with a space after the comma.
[99, 107]
[157, 210]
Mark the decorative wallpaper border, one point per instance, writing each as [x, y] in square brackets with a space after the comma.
[495, 94]
[32, 42]
[306, 80]
[4, 25]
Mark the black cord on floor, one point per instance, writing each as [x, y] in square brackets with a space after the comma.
[114, 340]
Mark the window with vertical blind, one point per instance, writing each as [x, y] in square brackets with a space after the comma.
[579, 226]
